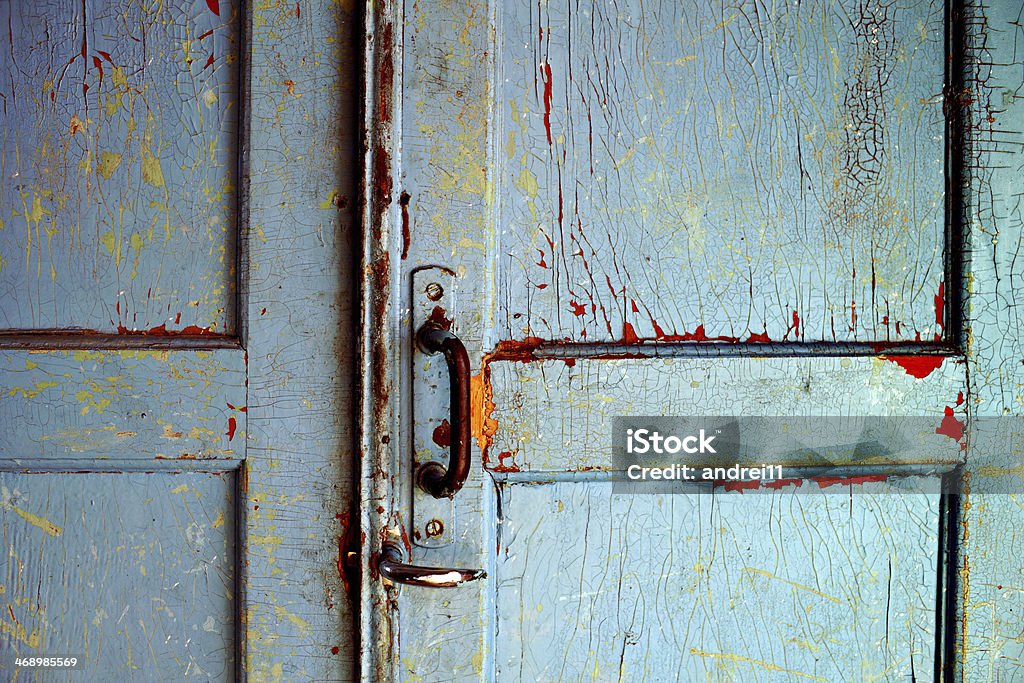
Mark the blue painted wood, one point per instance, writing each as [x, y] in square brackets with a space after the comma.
[134, 408]
[132, 198]
[468, 178]
[135, 572]
[117, 208]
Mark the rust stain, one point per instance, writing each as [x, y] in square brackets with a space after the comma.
[442, 435]
[439, 317]
[382, 184]
[403, 201]
[385, 87]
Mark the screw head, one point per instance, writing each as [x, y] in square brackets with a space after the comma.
[434, 528]
[434, 291]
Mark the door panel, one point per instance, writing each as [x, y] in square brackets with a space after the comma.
[717, 587]
[130, 407]
[130, 357]
[553, 416]
[585, 295]
[119, 156]
[720, 171]
[134, 573]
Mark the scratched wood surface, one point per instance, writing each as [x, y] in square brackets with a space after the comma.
[713, 170]
[119, 150]
[133, 572]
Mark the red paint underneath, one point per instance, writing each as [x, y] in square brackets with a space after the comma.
[950, 426]
[501, 466]
[548, 96]
[825, 482]
[214, 6]
[232, 425]
[162, 331]
[917, 366]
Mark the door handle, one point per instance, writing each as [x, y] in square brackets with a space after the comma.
[392, 567]
[433, 477]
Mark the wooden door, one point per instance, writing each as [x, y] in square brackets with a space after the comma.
[176, 343]
[644, 209]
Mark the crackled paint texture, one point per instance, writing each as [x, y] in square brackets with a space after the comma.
[194, 501]
[85, 571]
[689, 170]
[117, 207]
[639, 172]
[733, 596]
[301, 340]
[125, 406]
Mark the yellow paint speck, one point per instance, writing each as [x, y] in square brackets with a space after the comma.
[151, 171]
[109, 161]
[35, 520]
[181, 488]
[218, 521]
[301, 624]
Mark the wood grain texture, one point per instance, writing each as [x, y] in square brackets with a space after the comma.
[118, 201]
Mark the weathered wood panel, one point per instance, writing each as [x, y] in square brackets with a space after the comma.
[714, 587]
[553, 416]
[119, 157]
[135, 572]
[726, 170]
[301, 310]
[991, 562]
[125, 408]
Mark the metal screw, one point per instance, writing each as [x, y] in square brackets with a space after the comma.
[434, 528]
[434, 291]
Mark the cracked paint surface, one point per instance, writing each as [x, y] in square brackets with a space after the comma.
[117, 207]
[729, 173]
[85, 571]
[720, 171]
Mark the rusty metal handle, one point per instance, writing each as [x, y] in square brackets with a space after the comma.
[392, 568]
[433, 477]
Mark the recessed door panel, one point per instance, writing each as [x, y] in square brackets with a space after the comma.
[134, 573]
[119, 153]
[695, 171]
